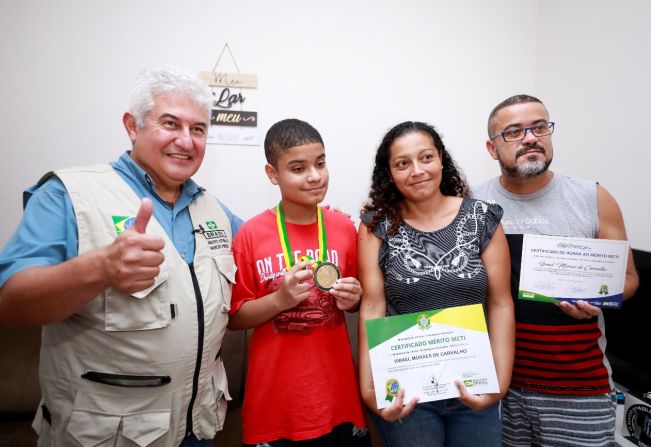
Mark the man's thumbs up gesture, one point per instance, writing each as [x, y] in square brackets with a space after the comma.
[133, 259]
[144, 214]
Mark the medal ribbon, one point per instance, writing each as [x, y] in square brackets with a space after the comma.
[284, 238]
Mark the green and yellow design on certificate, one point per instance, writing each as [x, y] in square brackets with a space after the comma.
[425, 352]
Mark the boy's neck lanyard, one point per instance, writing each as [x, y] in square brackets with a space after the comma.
[284, 238]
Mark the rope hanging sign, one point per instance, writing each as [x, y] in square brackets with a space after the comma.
[216, 78]
[229, 123]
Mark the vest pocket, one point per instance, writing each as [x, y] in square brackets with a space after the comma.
[220, 383]
[103, 420]
[226, 267]
[126, 380]
[42, 425]
[214, 402]
[142, 310]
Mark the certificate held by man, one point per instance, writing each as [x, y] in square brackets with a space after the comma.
[556, 268]
[425, 352]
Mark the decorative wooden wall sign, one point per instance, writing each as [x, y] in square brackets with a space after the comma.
[229, 123]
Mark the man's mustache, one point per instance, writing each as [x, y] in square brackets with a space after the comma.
[538, 147]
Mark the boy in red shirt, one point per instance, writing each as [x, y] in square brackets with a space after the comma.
[296, 275]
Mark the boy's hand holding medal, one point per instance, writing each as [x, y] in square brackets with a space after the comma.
[295, 285]
[348, 293]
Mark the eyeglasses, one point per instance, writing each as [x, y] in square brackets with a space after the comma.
[518, 134]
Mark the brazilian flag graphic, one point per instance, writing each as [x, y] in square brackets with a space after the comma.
[122, 223]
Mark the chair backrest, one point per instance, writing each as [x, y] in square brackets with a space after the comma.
[19, 355]
[627, 332]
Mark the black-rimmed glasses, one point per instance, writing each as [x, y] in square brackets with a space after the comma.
[519, 133]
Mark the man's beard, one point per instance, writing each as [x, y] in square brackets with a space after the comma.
[527, 169]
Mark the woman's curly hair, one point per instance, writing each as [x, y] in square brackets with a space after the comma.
[385, 198]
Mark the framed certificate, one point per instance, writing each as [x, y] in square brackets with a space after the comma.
[556, 268]
[425, 352]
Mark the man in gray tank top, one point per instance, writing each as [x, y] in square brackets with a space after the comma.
[561, 393]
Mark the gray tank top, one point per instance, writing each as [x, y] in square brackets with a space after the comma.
[567, 206]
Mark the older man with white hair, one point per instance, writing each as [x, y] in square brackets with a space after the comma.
[127, 266]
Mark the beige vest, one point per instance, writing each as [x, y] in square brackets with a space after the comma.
[138, 353]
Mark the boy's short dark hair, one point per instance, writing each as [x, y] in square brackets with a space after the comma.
[286, 134]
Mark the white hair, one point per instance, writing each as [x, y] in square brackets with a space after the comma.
[164, 80]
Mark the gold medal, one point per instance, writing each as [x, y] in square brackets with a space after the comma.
[325, 275]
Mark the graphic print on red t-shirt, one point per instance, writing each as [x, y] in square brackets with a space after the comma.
[318, 309]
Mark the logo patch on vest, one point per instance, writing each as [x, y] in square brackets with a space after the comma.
[217, 238]
[122, 223]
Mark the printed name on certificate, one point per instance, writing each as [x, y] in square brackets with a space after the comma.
[425, 352]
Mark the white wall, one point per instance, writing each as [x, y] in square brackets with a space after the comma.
[353, 69]
[594, 71]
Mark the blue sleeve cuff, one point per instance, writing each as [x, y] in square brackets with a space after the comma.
[47, 233]
[20, 265]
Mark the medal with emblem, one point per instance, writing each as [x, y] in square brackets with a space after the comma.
[325, 275]
[325, 272]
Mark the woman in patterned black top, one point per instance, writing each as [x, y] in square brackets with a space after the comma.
[423, 245]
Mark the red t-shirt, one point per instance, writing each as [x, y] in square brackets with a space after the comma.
[301, 379]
